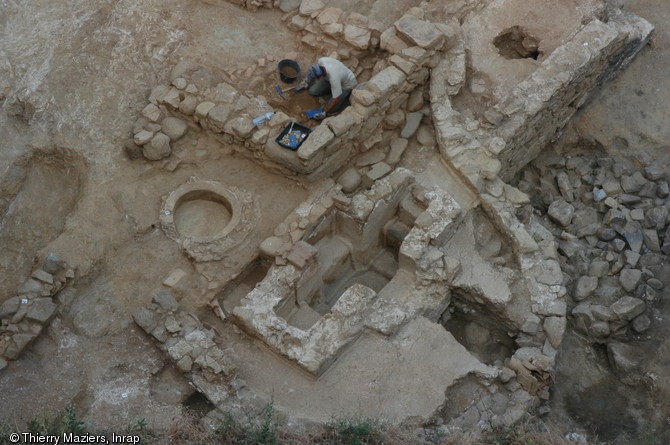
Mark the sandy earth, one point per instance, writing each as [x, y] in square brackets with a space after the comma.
[87, 68]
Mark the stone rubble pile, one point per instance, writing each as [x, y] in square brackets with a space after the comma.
[25, 316]
[611, 222]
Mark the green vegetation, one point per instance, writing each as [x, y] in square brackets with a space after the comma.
[656, 436]
[264, 429]
[64, 422]
[261, 431]
[351, 432]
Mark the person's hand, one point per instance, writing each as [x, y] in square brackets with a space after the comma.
[304, 84]
[320, 116]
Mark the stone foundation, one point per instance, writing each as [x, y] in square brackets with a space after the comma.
[426, 256]
[25, 316]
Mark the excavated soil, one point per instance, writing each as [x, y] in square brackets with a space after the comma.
[86, 69]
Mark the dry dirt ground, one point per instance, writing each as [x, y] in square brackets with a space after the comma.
[87, 68]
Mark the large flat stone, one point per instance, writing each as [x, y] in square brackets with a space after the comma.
[173, 127]
[357, 37]
[412, 121]
[398, 147]
[42, 310]
[218, 116]
[419, 32]
[629, 279]
[627, 308]
[289, 5]
[9, 307]
[309, 7]
[158, 148]
[315, 142]
[166, 301]
[53, 264]
[585, 287]
[386, 80]
[349, 180]
[302, 254]
[370, 157]
[561, 212]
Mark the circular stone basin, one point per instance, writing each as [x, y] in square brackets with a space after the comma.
[202, 213]
[208, 219]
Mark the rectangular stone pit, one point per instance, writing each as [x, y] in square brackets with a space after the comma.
[310, 308]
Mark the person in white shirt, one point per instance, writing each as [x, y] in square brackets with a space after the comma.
[330, 75]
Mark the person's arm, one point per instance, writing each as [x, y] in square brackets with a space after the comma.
[335, 93]
[330, 105]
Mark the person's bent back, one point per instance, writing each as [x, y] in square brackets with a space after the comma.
[331, 75]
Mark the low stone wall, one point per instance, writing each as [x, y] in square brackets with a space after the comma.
[327, 29]
[220, 109]
[25, 316]
[413, 46]
[424, 273]
[251, 5]
[416, 46]
[193, 350]
[296, 266]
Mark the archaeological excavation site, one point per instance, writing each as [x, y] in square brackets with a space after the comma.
[477, 241]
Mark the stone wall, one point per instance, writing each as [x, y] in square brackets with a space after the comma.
[412, 46]
[362, 220]
[25, 316]
[328, 29]
[542, 104]
[251, 5]
[221, 109]
[193, 349]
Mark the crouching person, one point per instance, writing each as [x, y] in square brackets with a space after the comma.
[331, 76]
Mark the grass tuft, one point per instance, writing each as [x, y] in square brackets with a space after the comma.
[351, 432]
